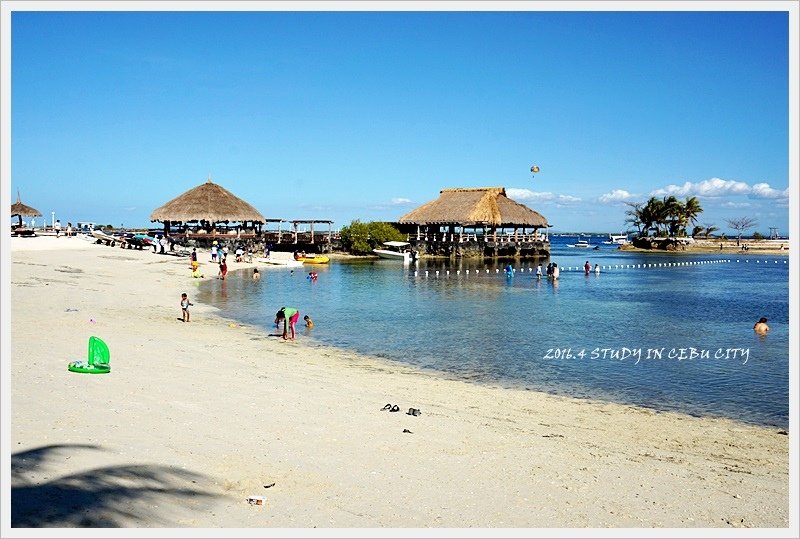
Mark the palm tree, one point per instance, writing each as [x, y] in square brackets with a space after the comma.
[653, 215]
[710, 229]
[673, 212]
[634, 215]
[691, 209]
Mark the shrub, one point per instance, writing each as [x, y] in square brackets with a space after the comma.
[361, 238]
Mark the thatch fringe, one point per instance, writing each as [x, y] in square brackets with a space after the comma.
[474, 206]
[18, 208]
[207, 202]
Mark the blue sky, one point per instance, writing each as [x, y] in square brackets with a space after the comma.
[367, 115]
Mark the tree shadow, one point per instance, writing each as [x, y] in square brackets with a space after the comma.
[100, 497]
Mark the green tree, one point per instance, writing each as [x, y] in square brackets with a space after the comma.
[691, 209]
[664, 216]
[355, 238]
[361, 238]
[710, 229]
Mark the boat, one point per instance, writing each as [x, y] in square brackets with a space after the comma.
[101, 237]
[396, 250]
[582, 244]
[315, 259]
[286, 263]
[621, 239]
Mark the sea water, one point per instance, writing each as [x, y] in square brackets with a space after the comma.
[669, 331]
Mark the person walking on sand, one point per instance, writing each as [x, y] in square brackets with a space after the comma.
[289, 317]
[761, 326]
[214, 252]
[69, 229]
[58, 227]
[185, 304]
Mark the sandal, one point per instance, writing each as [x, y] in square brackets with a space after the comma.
[394, 408]
[387, 407]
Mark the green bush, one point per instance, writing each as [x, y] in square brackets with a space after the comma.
[361, 238]
[758, 236]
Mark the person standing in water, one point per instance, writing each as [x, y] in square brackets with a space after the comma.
[761, 326]
[289, 317]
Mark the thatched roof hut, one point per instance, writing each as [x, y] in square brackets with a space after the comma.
[18, 209]
[475, 207]
[207, 202]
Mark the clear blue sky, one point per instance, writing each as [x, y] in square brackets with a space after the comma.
[367, 115]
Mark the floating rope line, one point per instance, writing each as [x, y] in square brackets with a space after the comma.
[604, 268]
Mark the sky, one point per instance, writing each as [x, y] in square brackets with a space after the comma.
[345, 115]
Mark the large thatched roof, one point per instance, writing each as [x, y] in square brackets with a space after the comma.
[480, 206]
[207, 202]
[19, 208]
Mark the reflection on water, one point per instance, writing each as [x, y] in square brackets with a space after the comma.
[477, 324]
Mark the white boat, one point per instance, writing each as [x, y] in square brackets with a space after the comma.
[621, 239]
[101, 237]
[286, 263]
[396, 250]
[583, 244]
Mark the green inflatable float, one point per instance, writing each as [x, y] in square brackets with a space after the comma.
[98, 360]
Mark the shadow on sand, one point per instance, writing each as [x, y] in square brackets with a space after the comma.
[100, 497]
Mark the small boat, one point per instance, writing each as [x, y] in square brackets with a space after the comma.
[101, 237]
[287, 263]
[315, 259]
[582, 244]
[621, 239]
[396, 250]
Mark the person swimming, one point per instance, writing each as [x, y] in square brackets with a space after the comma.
[761, 326]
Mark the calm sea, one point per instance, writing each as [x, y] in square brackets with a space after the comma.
[665, 331]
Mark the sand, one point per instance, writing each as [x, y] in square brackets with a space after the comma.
[195, 417]
[729, 247]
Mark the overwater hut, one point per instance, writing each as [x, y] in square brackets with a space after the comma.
[207, 211]
[20, 210]
[479, 221]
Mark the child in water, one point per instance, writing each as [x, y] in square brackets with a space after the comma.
[309, 322]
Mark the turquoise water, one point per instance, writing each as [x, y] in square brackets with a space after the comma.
[520, 332]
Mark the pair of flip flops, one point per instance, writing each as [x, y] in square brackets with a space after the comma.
[395, 408]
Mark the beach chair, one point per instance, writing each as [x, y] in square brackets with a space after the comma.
[98, 360]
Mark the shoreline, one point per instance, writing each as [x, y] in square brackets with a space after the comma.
[729, 247]
[216, 410]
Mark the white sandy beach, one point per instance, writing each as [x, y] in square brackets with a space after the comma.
[196, 417]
